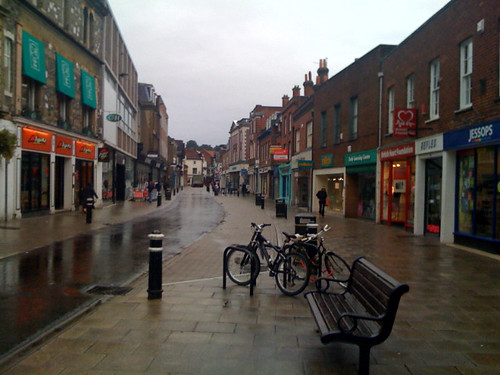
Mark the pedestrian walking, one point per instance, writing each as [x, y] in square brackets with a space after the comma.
[150, 191]
[321, 195]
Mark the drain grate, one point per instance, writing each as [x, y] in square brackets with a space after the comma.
[110, 290]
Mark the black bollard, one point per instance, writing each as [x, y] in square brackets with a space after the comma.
[155, 265]
[158, 200]
[89, 205]
[262, 202]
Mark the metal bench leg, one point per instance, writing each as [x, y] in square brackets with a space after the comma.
[364, 360]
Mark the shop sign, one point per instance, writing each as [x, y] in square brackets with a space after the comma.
[305, 164]
[37, 140]
[103, 155]
[113, 117]
[85, 150]
[326, 160]
[429, 144]
[280, 154]
[473, 135]
[405, 122]
[360, 158]
[64, 146]
[398, 152]
[152, 154]
[274, 148]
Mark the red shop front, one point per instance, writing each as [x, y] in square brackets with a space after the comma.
[397, 196]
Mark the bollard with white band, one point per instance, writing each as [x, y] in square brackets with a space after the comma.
[155, 264]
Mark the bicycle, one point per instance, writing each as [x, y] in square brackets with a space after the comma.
[291, 270]
[324, 263]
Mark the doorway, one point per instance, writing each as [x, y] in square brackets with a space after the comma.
[433, 183]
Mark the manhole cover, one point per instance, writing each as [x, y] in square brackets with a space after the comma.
[110, 290]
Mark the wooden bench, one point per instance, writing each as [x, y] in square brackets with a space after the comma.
[362, 314]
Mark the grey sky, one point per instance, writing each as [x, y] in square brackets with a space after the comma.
[212, 61]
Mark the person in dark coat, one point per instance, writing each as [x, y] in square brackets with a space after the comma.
[88, 192]
[321, 195]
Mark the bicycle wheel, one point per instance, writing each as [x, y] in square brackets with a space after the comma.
[292, 274]
[335, 267]
[239, 266]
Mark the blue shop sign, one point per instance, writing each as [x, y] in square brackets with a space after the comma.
[487, 132]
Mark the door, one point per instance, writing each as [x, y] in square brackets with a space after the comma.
[433, 181]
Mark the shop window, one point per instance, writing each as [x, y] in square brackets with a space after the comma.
[485, 191]
[465, 191]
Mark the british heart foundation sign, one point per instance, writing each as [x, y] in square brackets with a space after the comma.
[405, 122]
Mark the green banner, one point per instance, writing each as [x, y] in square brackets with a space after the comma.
[33, 58]
[65, 79]
[88, 90]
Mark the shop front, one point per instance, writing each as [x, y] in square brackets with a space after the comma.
[361, 182]
[429, 185]
[284, 176]
[333, 180]
[477, 205]
[54, 168]
[397, 195]
[302, 170]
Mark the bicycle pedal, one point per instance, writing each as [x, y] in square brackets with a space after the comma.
[271, 273]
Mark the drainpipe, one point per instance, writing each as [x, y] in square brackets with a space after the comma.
[380, 81]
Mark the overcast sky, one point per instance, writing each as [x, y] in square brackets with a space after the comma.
[212, 61]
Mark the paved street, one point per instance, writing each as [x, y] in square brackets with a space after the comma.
[449, 322]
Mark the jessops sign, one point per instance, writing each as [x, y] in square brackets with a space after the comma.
[487, 132]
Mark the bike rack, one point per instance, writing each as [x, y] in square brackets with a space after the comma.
[252, 266]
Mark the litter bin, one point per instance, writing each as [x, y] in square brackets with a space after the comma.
[168, 194]
[281, 209]
[301, 224]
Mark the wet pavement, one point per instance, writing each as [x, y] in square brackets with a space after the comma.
[42, 287]
[449, 322]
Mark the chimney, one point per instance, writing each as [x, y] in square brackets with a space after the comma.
[296, 91]
[322, 71]
[308, 85]
[284, 100]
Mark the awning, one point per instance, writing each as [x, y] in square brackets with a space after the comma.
[65, 79]
[88, 90]
[33, 58]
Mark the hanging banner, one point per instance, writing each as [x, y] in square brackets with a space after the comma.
[33, 58]
[37, 140]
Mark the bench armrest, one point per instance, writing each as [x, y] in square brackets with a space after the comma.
[351, 326]
[327, 280]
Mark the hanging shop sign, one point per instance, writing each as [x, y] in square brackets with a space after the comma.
[37, 140]
[64, 146]
[405, 122]
[103, 155]
[113, 117]
[280, 154]
[85, 150]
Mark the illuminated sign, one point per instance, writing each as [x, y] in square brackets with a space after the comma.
[64, 146]
[37, 140]
[85, 150]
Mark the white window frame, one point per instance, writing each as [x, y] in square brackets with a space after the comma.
[309, 130]
[434, 90]
[390, 110]
[410, 91]
[8, 50]
[466, 74]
